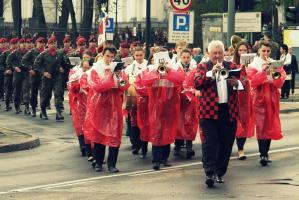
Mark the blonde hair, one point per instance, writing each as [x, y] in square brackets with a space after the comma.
[180, 43]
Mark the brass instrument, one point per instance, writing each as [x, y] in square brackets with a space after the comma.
[118, 74]
[162, 66]
[272, 67]
[130, 95]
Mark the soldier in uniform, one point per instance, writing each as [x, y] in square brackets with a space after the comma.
[92, 46]
[78, 52]
[34, 78]
[29, 44]
[2, 49]
[48, 65]
[8, 73]
[13, 62]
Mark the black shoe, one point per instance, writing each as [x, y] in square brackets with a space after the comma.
[219, 179]
[7, 108]
[135, 151]
[268, 159]
[142, 156]
[113, 169]
[190, 153]
[263, 161]
[26, 111]
[43, 116]
[166, 163]
[156, 166]
[59, 117]
[93, 164]
[98, 168]
[210, 180]
[90, 159]
[18, 111]
[33, 113]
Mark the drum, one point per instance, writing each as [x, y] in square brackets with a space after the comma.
[131, 94]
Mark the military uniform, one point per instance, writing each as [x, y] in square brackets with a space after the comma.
[2, 40]
[34, 79]
[50, 61]
[13, 62]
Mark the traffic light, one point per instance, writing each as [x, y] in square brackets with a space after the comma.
[292, 14]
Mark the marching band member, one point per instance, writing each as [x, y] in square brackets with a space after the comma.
[163, 81]
[246, 118]
[188, 119]
[106, 117]
[286, 57]
[218, 111]
[265, 91]
[132, 71]
[179, 46]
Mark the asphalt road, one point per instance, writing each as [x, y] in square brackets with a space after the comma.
[55, 170]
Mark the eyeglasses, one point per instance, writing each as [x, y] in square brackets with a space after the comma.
[266, 50]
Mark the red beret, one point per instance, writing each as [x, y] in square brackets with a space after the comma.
[14, 41]
[1, 40]
[66, 40]
[28, 40]
[4, 40]
[125, 45]
[40, 39]
[52, 40]
[136, 43]
[81, 41]
[22, 40]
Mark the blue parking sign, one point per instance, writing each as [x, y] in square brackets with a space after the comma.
[110, 25]
[181, 22]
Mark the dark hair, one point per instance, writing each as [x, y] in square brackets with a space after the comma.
[87, 52]
[236, 53]
[264, 43]
[284, 47]
[151, 56]
[186, 51]
[112, 49]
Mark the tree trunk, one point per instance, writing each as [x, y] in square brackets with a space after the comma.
[74, 31]
[38, 13]
[86, 23]
[63, 19]
[1, 8]
[16, 15]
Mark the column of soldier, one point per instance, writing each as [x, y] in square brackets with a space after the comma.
[166, 100]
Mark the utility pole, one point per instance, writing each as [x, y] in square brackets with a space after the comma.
[115, 36]
[148, 27]
[230, 21]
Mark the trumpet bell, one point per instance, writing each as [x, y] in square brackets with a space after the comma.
[276, 75]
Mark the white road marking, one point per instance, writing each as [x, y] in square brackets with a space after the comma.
[136, 173]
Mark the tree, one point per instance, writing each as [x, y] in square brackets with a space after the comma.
[38, 14]
[73, 17]
[63, 19]
[86, 24]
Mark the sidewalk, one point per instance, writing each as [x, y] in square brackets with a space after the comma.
[13, 140]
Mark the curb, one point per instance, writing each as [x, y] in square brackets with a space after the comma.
[32, 142]
[20, 146]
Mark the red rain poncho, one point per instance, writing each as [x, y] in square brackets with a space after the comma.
[164, 103]
[106, 113]
[188, 116]
[246, 116]
[265, 96]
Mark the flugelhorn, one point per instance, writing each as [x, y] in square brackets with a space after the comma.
[272, 67]
[162, 66]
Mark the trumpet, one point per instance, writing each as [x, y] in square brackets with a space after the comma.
[162, 66]
[272, 70]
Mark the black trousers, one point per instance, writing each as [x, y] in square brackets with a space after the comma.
[179, 143]
[293, 81]
[160, 153]
[264, 146]
[240, 143]
[35, 86]
[1, 84]
[219, 136]
[18, 78]
[99, 154]
[285, 90]
[8, 88]
[48, 85]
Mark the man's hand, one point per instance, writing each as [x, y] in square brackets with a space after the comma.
[61, 70]
[17, 69]
[8, 72]
[32, 72]
[216, 68]
[47, 75]
[233, 82]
